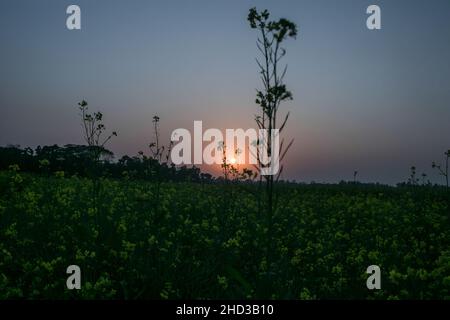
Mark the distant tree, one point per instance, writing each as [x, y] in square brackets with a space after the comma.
[73, 159]
[13, 154]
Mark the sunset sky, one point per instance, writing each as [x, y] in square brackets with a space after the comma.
[373, 101]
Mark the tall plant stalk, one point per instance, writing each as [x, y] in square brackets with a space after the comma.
[272, 34]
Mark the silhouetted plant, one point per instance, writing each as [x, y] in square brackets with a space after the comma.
[94, 135]
[355, 174]
[94, 130]
[272, 35]
[227, 167]
[413, 180]
[443, 171]
[155, 148]
[159, 169]
[230, 170]
[424, 179]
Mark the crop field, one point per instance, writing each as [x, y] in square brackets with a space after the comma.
[144, 240]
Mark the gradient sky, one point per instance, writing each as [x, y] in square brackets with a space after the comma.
[373, 101]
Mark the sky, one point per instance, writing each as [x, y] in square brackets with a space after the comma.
[376, 101]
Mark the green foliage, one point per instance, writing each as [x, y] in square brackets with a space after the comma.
[193, 245]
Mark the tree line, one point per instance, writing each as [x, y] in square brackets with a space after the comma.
[78, 160]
